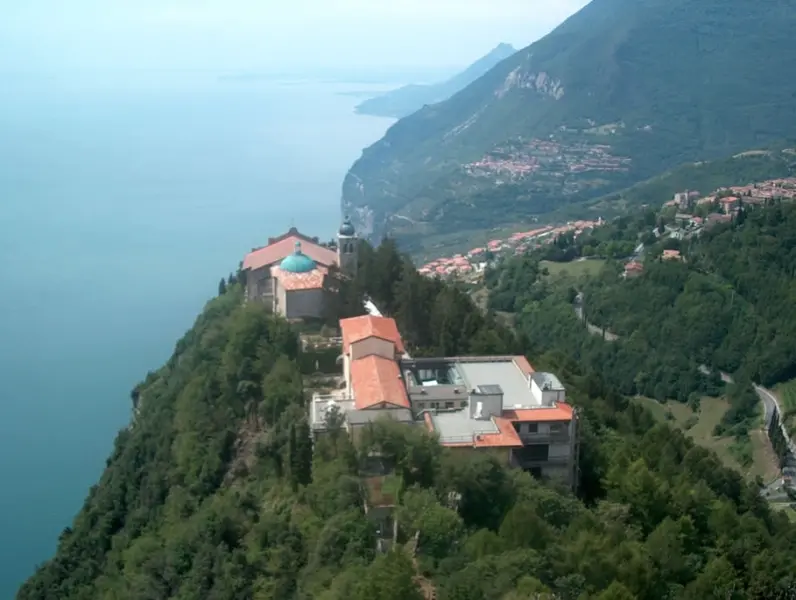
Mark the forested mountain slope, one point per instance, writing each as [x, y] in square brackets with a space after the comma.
[406, 100]
[723, 305]
[215, 493]
[728, 304]
[653, 83]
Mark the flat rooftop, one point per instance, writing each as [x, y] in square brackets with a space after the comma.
[505, 373]
[438, 379]
[457, 427]
[454, 378]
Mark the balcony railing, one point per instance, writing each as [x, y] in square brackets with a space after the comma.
[540, 462]
[555, 437]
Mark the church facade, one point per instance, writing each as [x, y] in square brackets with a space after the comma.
[294, 274]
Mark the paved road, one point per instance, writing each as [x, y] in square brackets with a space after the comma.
[593, 329]
[770, 405]
[769, 401]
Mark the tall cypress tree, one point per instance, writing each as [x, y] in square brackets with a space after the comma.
[301, 463]
[291, 457]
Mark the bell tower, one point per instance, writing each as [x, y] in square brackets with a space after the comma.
[347, 248]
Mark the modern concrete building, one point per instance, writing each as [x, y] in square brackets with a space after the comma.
[496, 404]
[294, 273]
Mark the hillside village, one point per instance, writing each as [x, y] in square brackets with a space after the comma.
[473, 261]
[686, 215]
[694, 213]
[520, 159]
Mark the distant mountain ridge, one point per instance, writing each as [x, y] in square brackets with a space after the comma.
[410, 98]
[623, 90]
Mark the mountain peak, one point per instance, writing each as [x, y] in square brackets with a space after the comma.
[503, 48]
[410, 98]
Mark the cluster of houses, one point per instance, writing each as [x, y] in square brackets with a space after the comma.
[474, 261]
[728, 200]
[718, 207]
[539, 156]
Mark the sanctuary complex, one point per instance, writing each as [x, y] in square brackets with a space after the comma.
[295, 274]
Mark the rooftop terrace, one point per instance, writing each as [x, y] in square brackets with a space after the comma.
[439, 379]
[494, 392]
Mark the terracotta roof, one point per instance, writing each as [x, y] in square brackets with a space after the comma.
[506, 437]
[375, 379]
[634, 266]
[523, 365]
[560, 412]
[285, 246]
[357, 329]
[299, 281]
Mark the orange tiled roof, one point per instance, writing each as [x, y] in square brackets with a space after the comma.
[376, 379]
[634, 266]
[356, 329]
[506, 437]
[560, 412]
[523, 364]
[299, 281]
[273, 253]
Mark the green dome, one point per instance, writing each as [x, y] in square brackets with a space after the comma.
[297, 262]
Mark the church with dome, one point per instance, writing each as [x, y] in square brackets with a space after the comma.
[294, 274]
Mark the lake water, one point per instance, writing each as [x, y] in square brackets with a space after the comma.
[123, 201]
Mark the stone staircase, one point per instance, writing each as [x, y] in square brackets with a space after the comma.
[426, 587]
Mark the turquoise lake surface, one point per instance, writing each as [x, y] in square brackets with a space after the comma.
[124, 198]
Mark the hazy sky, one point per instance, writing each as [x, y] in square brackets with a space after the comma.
[266, 34]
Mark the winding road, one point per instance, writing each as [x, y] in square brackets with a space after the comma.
[767, 398]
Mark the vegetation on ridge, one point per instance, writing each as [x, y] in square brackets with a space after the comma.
[212, 493]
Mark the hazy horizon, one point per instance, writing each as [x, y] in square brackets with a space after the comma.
[46, 35]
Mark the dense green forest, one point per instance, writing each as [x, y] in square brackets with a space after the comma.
[215, 492]
[725, 307]
[728, 304]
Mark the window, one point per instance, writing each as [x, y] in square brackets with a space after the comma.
[556, 427]
[435, 405]
[449, 404]
[532, 427]
[537, 452]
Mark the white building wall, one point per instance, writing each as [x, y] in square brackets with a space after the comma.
[347, 373]
[547, 397]
[280, 299]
